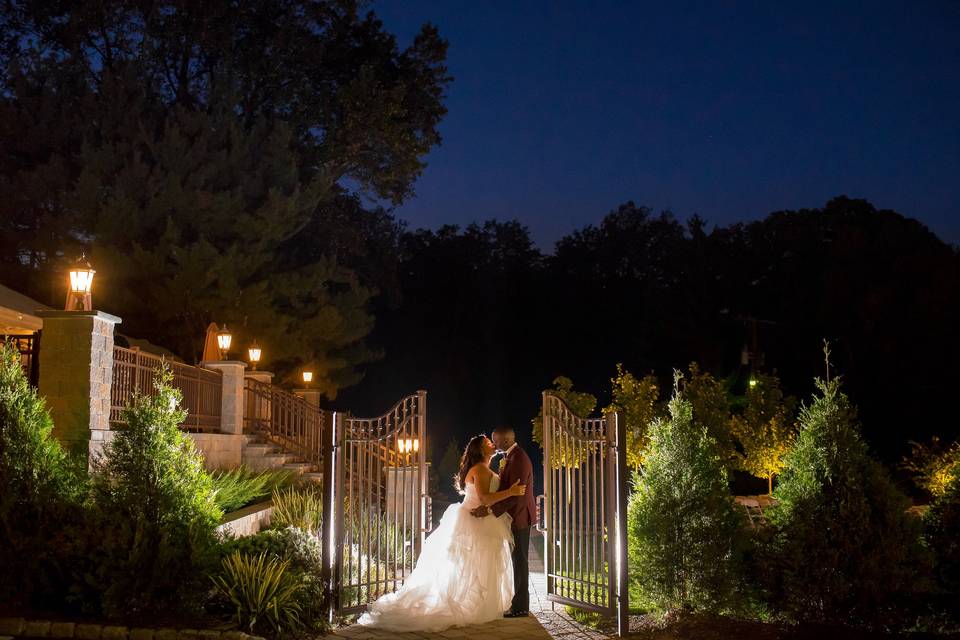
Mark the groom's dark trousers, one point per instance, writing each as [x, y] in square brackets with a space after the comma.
[517, 466]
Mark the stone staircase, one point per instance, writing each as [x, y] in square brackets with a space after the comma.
[260, 454]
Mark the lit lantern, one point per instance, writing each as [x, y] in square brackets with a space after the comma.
[224, 338]
[407, 445]
[753, 382]
[307, 377]
[81, 285]
[254, 352]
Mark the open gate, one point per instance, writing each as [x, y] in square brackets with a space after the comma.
[585, 509]
[381, 502]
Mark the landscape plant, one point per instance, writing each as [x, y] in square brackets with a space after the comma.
[765, 429]
[681, 521]
[300, 507]
[237, 488]
[843, 549]
[637, 398]
[42, 489]
[153, 511]
[263, 594]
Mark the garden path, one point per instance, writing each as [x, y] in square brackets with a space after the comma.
[544, 624]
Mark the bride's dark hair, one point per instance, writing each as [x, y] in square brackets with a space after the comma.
[472, 454]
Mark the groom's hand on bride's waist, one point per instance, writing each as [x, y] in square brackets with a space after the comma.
[480, 512]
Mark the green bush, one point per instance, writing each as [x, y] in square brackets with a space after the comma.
[263, 594]
[41, 489]
[842, 549]
[941, 535]
[154, 511]
[300, 507]
[302, 552]
[681, 519]
[237, 488]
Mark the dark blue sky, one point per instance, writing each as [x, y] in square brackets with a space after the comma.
[561, 110]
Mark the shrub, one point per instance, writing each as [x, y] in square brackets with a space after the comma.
[237, 488]
[154, 507]
[941, 535]
[302, 552]
[263, 594]
[843, 548]
[681, 519]
[298, 507]
[42, 488]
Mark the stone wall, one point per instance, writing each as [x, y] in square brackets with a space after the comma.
[220, 450]
[247, 521]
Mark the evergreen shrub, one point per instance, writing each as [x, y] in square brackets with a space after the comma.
[41, 490]
[842, 547]
[681, 521]
[154, 511]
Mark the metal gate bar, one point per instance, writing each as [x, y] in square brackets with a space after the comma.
[585, 510]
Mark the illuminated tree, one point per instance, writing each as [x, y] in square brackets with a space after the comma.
[637, 398]
[711, 410]
[765, 429]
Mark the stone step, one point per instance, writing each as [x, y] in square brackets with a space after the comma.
[299, 467]
[313, 476]
[259, 449]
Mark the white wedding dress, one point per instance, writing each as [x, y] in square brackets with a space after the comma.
[464, 574]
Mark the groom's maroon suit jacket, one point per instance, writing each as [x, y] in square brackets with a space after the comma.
[523, 509]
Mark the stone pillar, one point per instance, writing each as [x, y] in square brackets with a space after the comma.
[231, 407]
[265, 377]
[76, 371]
[312, 396]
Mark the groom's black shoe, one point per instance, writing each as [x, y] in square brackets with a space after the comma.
[516, 614]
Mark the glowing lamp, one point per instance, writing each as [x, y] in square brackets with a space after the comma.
[224, 338]
[307, 377]
[254, 352]
[406, 445]
[79, 295]
[753, 382]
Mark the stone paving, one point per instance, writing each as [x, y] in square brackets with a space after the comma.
[544, 624]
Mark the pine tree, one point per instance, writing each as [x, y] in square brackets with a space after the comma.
[154, 510]
[843, 546]
[711, 409]
[448, 466]
[681, 519]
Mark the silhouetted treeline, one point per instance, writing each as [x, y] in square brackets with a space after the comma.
[486, 320]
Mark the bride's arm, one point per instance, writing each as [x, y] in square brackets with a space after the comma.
[482, 477]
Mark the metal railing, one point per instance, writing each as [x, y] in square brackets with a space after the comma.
[202, 389]
[286, 419]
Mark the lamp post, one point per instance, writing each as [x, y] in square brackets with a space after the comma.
[254, 352]
[81, 284]
[307, 378]
[224, 338]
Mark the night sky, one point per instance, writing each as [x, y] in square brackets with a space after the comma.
[561, 110]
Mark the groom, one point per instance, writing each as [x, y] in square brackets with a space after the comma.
[514, 466]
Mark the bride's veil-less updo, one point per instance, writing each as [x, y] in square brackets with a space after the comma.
[472, 454]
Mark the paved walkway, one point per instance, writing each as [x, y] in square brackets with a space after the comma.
[544, 624]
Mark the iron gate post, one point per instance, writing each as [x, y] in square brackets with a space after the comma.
[424, 481]
[548, 544]
[329, 531]
[623, 595]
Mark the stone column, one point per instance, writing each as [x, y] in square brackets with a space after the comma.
[231, 407]
[312, 396]
[76, 371]
[265, 377]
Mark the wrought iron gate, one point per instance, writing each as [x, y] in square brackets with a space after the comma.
[585, 505]
[381, 502]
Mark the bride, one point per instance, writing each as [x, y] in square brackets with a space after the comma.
[464, 573]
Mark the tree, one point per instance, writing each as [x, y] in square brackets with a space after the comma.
[711, 410]
[154, 509]
[843, 546]
[681, 519]
[637, 398]
[941, 537]
[765, 430]
[449, 466]
[204, 152]
[933, 467]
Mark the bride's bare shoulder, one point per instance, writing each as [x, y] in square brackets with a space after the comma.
[480, 470]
